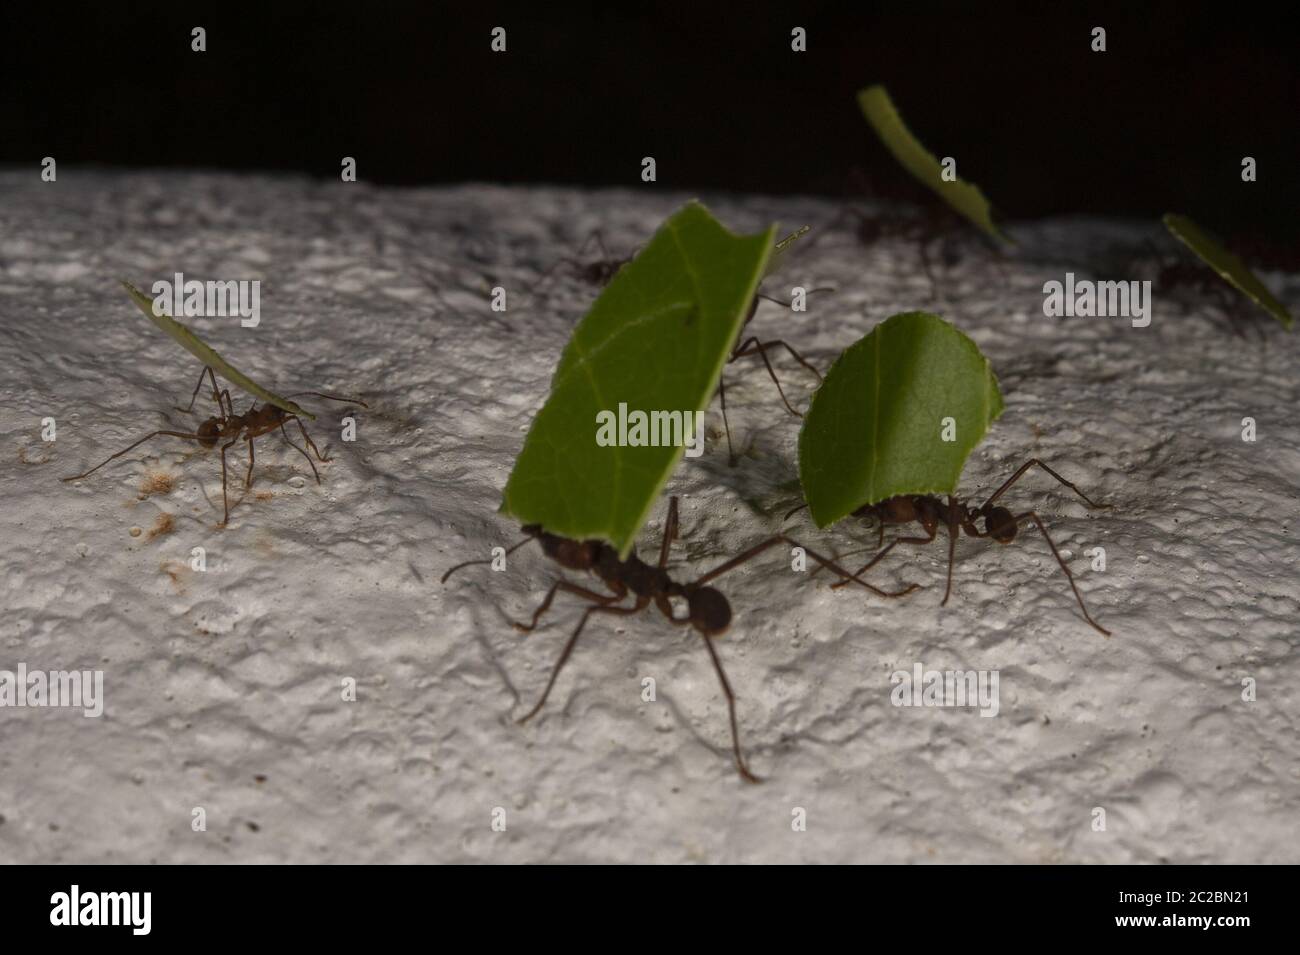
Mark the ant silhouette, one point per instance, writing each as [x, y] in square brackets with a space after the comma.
[598, 272]
[1179, 273]
[707, 610]
[931, 513]
[933, 222]
[230, 427]
[746, 347]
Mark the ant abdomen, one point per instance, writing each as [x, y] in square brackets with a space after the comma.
[1000, 525]
[710, 611]
[209, 431]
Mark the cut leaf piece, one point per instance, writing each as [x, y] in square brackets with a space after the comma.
[877, 425]
[654, 341]
[963, 196]
[1229, 267]
[205, 353]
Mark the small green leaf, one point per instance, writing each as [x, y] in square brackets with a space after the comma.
[964, 197]
[876, 427]
[205, 353]
[1230, 268]
[655, 340]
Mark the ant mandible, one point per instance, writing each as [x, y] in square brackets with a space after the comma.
[229, 427]
[707, 610]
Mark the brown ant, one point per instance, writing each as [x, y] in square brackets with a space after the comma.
[707, 610]
[598, 272]
[229, 427]
[934, 221]
[932, 513]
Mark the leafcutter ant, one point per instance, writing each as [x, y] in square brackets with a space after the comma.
[227, 427]
[1000, 524]
[707, 610]
[597, 272]
[933, 221]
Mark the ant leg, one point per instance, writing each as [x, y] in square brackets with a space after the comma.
[953, 531]
[174, 434]
[248, 478]
[767, 364]
[568, 649]
[782, 538]
[745, 774]
[550, 595]
[509, 550]
[765, 345]
[881, 556]
[600, 245]
[306, 437]
[722, 394]
[670, 532]
[319, 394]
[1029, 464]
[289, 441]
[225, 500]
[216, 396]
[793, 511]
[1069, 576]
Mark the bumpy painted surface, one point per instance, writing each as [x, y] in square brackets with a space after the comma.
[216, 680]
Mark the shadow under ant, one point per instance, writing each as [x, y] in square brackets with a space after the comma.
[707, 611]
[1000, 524]
[229, 427]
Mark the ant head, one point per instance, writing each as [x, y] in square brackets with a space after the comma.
[710, 612]
[1000, 525]
[209, 431]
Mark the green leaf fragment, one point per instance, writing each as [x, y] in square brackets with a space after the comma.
[1229, 267]
[206, 354]
[964, 197]
[877, 425]
[655, 340]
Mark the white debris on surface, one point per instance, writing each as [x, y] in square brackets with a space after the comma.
[224, 689]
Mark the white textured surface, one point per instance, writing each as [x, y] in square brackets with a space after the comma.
[212, 679]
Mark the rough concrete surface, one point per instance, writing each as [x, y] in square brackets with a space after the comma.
[223, 689]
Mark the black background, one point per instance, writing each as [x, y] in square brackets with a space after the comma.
[1044, 125]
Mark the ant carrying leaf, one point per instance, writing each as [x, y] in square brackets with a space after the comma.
[227, 427]
[891, 429]
[1000, 524]
[707, 610]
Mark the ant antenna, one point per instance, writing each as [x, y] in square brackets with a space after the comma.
[471, 563]
[318, 394]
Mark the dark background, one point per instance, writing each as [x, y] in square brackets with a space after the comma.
[1044, 125]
